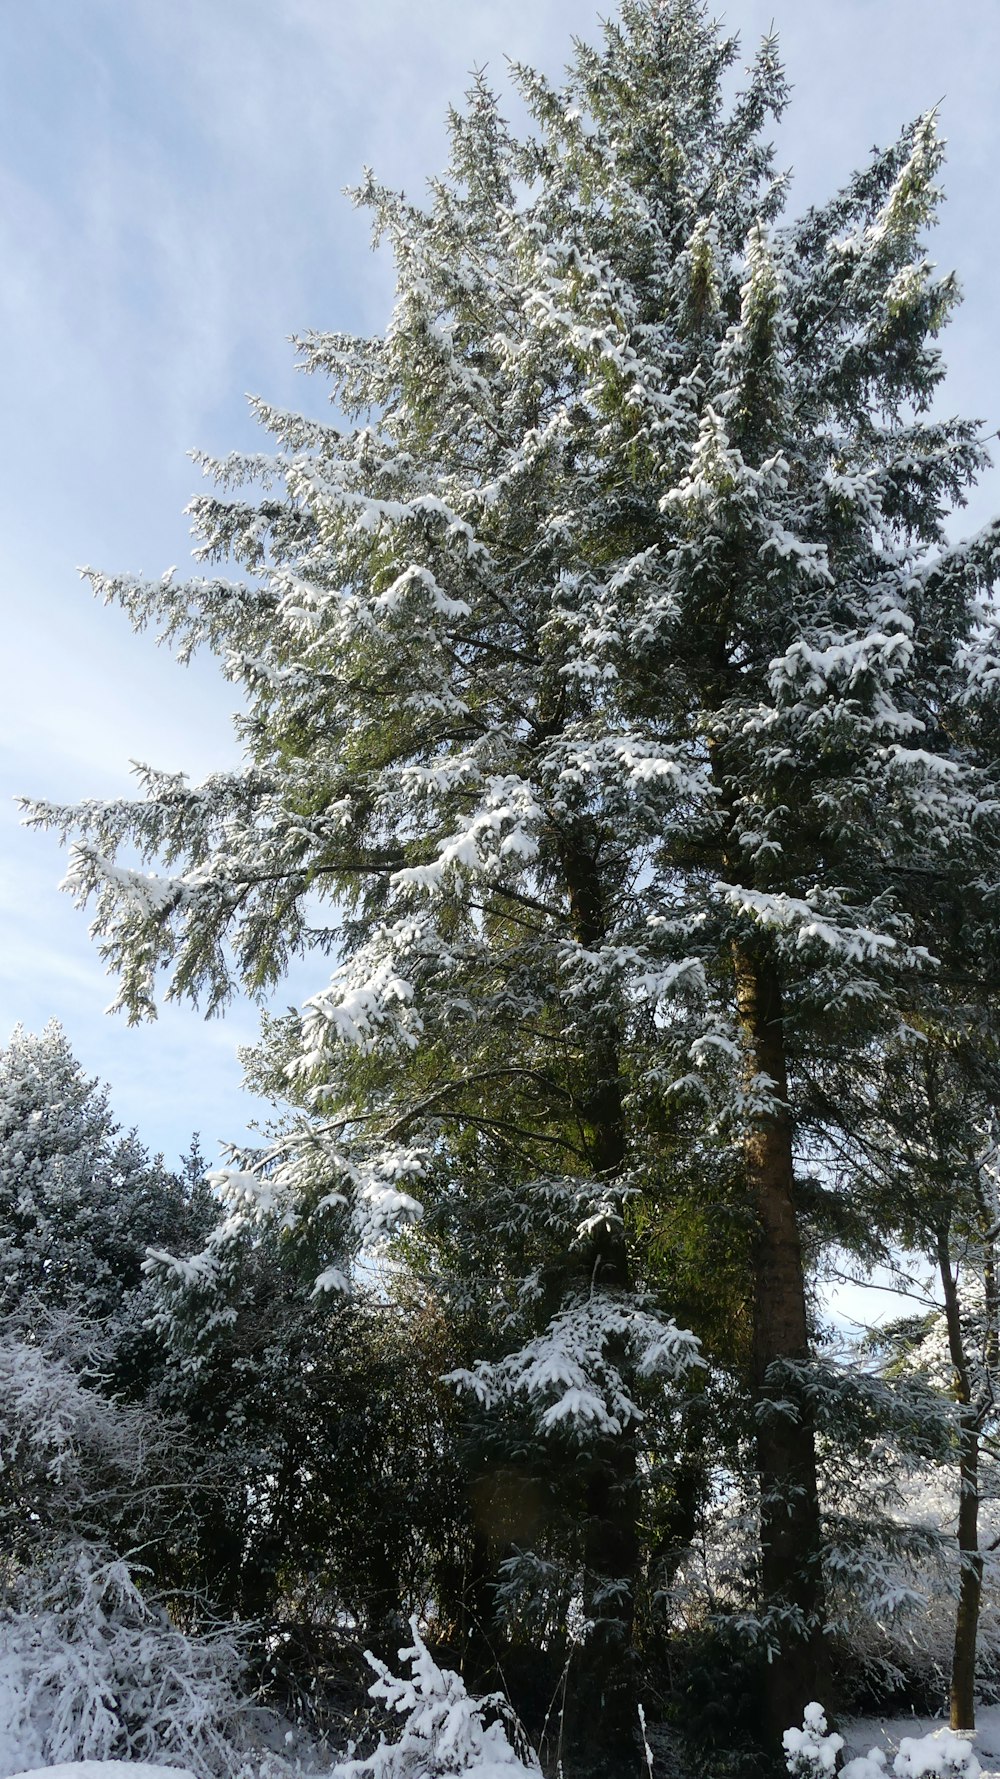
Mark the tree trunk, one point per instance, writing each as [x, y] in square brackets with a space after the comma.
[602, 1719]
[786, 1456]
[602, 1689]
[963, 1664]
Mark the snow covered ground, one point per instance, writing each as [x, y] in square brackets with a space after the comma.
[887, 1733]
[105, 1769]
[860, 1736]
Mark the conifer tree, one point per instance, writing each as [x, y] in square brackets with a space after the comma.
[80, 1200]
[608, 677]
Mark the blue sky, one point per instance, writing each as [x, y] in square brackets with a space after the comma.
[170, 211]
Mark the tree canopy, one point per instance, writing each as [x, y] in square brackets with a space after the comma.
[620, 722]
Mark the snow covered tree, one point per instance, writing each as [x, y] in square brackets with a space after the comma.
[80, 1201]
[612, 685]
[923, 1152]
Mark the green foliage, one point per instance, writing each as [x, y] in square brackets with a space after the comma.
[336, 1499]
[621, 722]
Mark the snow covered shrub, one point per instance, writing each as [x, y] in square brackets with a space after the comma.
[90, 1669]
[943, 1753]
[77, 1464]
[445, 1732]
[811, 1753]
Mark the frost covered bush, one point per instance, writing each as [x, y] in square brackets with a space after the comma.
[64, 1446]
[445, 1731]
[811, 1753]
[893, 1592]
[943, 1753]
[77, 1464]
[90, 1669]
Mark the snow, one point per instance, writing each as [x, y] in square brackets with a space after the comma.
[418, 577]
[443, 1733]
[566, 1373]
[888, 1733]
[792, 913]
[360, 1013]
[102, 1769]
[907, 1747]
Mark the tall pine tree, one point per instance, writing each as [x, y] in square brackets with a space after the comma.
[599, 672]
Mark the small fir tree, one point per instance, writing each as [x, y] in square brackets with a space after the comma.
[80, 1200]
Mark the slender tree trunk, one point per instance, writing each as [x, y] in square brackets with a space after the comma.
[603, 1689]
[963, 1665]
[786, 1454]
[472, 1604]
[602, 1697]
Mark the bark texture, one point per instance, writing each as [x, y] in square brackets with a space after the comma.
[786, 1454]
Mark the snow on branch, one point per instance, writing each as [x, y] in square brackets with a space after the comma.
[445, 1731]
[495, 836]
[568, 1376]
[790, 914]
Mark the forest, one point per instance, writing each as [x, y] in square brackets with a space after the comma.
[620, 742]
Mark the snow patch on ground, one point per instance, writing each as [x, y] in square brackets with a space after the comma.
[886, 1733]
[104, 1769]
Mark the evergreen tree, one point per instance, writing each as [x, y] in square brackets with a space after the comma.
[610, 678]
[334, 1498]
[80, 1201]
